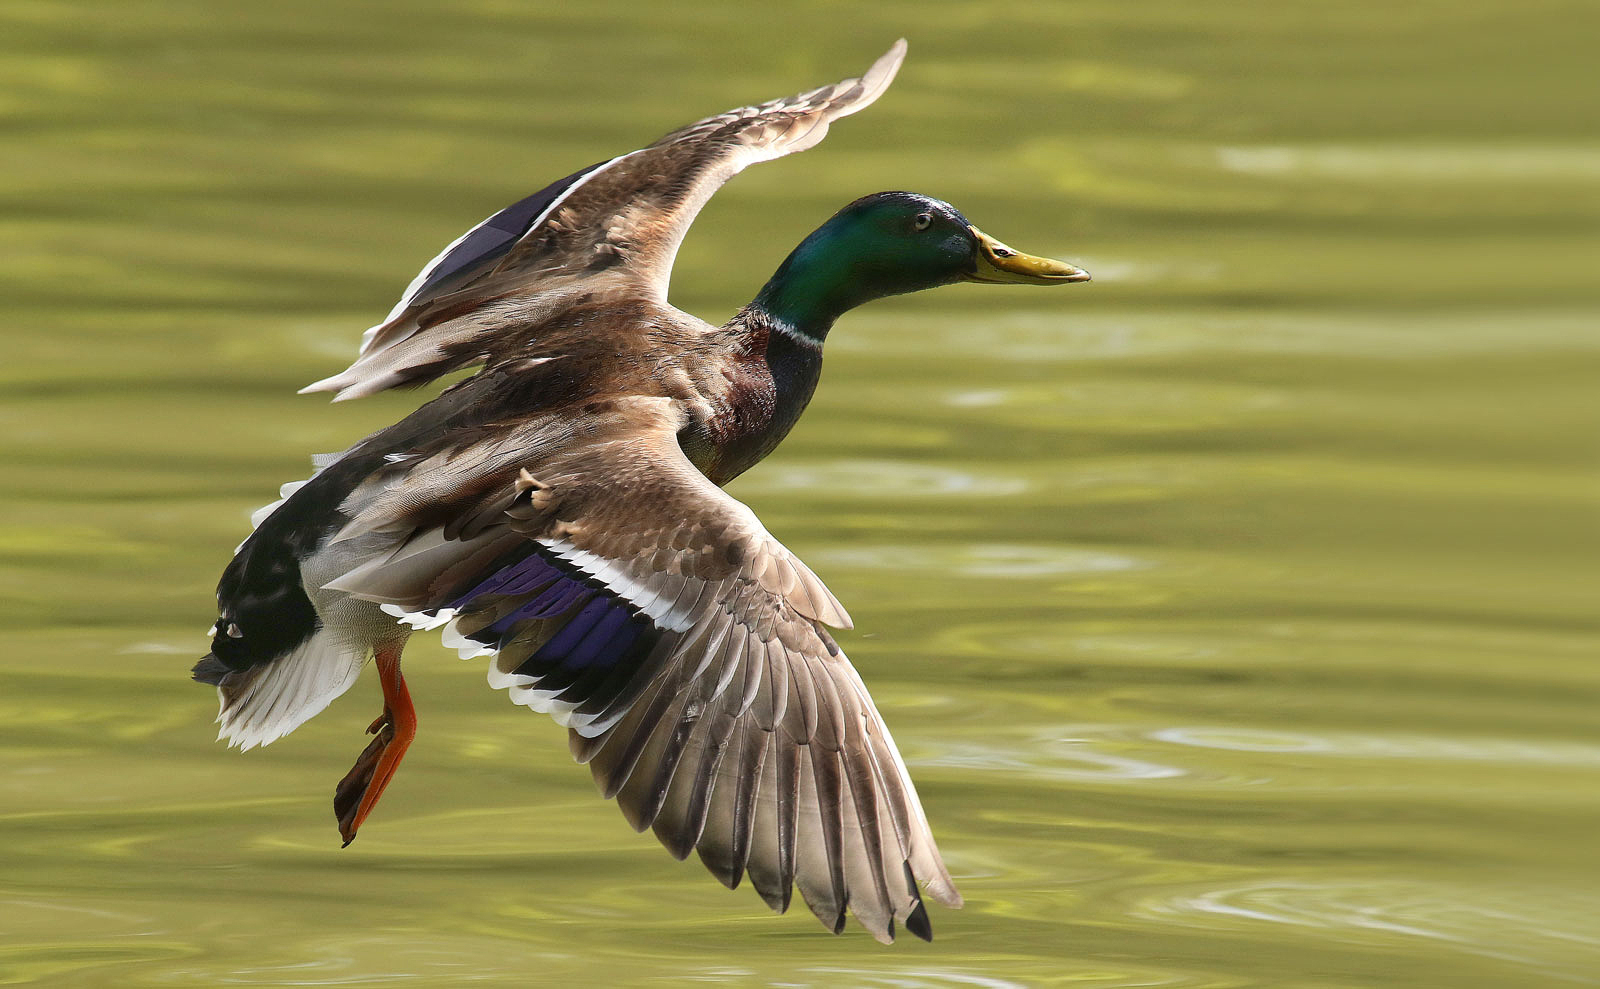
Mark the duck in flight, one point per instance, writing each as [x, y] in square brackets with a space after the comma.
[561, 513]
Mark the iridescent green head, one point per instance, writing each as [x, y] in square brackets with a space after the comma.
[891, 243]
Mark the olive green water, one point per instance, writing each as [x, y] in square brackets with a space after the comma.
[1235, 612]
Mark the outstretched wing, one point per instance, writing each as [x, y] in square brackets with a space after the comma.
[612, 228]
[685, 650]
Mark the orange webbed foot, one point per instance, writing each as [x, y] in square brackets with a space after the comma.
[357, 794]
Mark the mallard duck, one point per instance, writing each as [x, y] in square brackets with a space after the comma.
[561, 513]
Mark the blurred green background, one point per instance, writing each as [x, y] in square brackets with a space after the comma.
[1236, 611]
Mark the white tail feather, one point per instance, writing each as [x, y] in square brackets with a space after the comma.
[287, 692]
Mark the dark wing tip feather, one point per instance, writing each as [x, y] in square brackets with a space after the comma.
[917, 921]
[727, 873]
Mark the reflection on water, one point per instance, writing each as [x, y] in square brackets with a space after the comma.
[851, 479]
[1576, 755]
[1235, 611]
[1426, 164]
[907, 978]
[1473, 922]
[1050, 758]
[989, 560]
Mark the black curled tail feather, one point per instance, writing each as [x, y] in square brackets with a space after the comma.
[264, 611]
[211, 670]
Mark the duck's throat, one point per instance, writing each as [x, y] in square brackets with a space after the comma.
[816, 284]
[769, 387]
[783, 329]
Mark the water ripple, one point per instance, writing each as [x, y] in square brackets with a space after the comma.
[887, 479]
[1051, 758]
[1399, 910]
[1350, 745]
[1422, 164]
[980, 560]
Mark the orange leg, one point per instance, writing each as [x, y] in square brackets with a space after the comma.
[360, 789]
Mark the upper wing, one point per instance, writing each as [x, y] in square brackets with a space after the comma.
[614, 227]
[684, 647]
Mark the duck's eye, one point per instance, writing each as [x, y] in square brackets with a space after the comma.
[922, 222]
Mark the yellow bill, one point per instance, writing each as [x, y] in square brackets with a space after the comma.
[999, 263]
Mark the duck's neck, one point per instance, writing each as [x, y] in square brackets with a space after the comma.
[816, 284]
[783, 329]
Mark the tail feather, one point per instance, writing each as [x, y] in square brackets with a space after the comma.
[211, 670]
[262, 704]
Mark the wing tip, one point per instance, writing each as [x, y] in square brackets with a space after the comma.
[776, 900]
[729, 873]
[917, 922]
[891, 59]
[343, 384]
[882, 72]
[943, 890]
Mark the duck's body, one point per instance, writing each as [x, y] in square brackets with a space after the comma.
[733, 392]
[561, 512]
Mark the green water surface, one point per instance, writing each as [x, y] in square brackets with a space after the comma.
[1235, 611]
